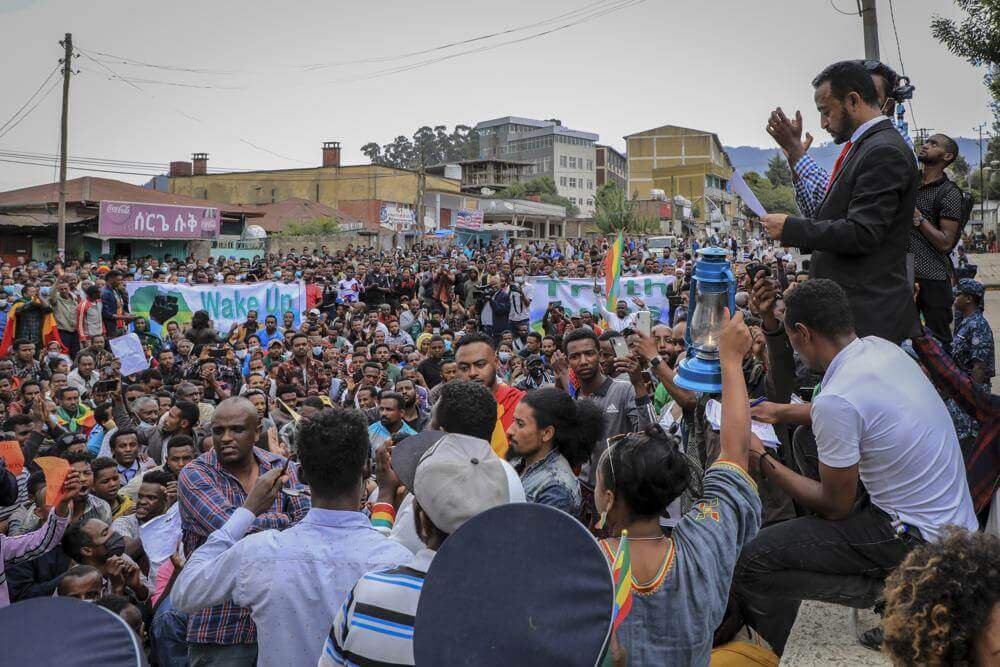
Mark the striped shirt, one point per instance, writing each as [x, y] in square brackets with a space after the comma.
[375, 623]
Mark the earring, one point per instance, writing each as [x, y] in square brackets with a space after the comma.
[601, 521]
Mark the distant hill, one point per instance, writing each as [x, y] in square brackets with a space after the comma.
[752, 158]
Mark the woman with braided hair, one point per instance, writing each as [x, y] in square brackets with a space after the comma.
[942, 604]
[680, 584]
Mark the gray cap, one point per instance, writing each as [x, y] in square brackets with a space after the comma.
[457, 478]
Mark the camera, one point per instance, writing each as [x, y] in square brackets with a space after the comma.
[904, 91]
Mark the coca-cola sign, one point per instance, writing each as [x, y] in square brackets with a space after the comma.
[132, 220]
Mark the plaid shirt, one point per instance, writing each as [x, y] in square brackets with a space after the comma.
[811, 180]
[312, 379]
[208, 496]
[983, 464]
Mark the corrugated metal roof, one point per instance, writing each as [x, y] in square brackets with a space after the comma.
[274, 217]
[40, 219]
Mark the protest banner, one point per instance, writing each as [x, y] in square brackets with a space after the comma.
[226, 304]
[578, 294]
[128, 350]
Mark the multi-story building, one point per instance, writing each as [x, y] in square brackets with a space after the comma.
[612, 167]
[679, 161]
[565, 155]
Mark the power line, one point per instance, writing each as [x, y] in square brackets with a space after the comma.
[55, 84]
[160, 167]
[184, 113]
[431, 61]
[30, 98]
[841, 11]
[899, 51]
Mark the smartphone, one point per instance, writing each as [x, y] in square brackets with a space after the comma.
[620, 347]
[217, 352]
[642, 322]
[106, 385]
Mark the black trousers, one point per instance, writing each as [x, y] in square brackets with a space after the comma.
[935, 303]
[843, 562]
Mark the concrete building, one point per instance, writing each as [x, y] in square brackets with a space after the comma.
[369, 192]
[567, 156]
[612, 167]
[491, 174]
[680, 161]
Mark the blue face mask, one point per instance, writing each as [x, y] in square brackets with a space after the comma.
[181, 279]
[44, 290]
[298, 274]
[9, 289]
[277, 274]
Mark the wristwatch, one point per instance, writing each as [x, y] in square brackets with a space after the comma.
[656, 361]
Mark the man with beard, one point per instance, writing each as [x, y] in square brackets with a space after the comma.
[391, 406]
[858, 235]
[414, 417]
[476, 358]
[626, 405]
[936, 226]
[662, 352]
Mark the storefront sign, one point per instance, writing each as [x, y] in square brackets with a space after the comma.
[396, 217]
[130, 220]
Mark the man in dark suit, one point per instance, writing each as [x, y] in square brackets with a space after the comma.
[859, 236]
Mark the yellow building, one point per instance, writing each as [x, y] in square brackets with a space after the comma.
[364, 191]
[685, 162]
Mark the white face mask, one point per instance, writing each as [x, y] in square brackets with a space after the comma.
[240, 354]
[317, 350]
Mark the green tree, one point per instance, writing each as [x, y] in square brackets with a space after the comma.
[314, 227]
[542, 187]
[975, 37]
[774, 199]
[428, 146]
[959, 169]
[615, 212]
[778, 172]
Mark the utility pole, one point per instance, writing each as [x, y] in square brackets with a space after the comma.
[982, 175]
[922, 134]
[421, 188]
[67, 63]
[869, 20]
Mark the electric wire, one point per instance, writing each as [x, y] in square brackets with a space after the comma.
[30, 98]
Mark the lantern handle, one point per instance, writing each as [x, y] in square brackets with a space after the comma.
[690, 306]
[732, 291]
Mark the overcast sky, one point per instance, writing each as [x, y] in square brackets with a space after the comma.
[717, 65]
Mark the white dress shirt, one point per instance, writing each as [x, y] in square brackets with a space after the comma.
[293, 581]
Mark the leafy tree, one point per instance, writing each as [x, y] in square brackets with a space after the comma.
[314, 227]
[778, 172]
[615, 212]
[975, 37]
[774, 199]
[542, 187]
[428, 146]
[959, 169]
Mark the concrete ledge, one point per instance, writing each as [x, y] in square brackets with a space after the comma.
[989, 269]
[822, 636]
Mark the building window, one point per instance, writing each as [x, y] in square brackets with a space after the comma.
[590, 202]
[572, 163]
[590, 164]
[572, 182]
[590, 185]
[562, 160]
[572, 200]
[562, 181]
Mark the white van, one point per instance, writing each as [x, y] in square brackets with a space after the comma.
[661, 245]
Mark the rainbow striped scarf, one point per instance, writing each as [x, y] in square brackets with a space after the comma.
[83, 420]
[613, 270]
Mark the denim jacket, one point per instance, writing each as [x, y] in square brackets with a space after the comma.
[551, 482]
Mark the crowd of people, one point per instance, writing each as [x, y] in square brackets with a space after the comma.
[276, 492]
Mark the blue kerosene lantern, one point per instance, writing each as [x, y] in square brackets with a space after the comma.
[713, 289]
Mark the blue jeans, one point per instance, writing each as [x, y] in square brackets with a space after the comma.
[169, 633]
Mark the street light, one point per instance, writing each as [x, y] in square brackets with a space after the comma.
[713, 288]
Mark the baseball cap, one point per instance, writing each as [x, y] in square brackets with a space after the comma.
[314, 311]
[275, 341]
[534, 359]
[458, 478]
[407, 454]
[970, 287]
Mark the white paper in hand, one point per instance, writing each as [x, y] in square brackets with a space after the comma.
[739, 187]
[128, 350]
[713, 413]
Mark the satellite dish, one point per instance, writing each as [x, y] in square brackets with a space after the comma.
[254, 232]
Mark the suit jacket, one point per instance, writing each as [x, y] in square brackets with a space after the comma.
[859, 236]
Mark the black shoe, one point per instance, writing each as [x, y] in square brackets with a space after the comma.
[872, 639]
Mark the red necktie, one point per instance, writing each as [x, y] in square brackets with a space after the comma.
[839, 163]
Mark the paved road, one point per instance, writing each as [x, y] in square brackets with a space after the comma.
[993, 316]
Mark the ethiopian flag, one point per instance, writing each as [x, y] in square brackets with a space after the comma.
[613, 270]
[82, 422]
[49, 331]
[621, 572]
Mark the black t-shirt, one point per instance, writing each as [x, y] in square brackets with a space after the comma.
[430, 368]
[930, 263]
